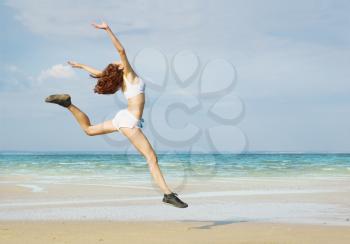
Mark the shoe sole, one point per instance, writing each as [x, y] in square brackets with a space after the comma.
[67, 96]
[174, 205]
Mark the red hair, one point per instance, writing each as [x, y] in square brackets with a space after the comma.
[110, 80]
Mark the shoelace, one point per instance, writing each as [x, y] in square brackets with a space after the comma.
[172, 194]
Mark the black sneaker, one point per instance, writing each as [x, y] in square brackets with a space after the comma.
[60, 99]
[174, 200]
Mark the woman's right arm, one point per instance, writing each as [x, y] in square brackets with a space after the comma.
[127, 67]
[87, 68]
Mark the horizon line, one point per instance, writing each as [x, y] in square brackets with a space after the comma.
[171, 152]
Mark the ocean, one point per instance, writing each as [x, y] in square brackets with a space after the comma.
[132, 166]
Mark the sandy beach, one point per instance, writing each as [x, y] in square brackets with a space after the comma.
[167, 232]
[242, 210]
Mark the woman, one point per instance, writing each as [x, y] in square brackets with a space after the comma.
[120, 76]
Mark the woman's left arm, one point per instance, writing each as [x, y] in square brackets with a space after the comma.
[87, 68]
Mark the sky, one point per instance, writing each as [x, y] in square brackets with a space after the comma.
[222, 76]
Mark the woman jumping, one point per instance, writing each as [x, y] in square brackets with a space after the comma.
[120, 76]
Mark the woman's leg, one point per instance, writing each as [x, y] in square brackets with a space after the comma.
[84, 122]
[139, 140]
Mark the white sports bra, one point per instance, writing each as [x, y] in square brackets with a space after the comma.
[133, 90]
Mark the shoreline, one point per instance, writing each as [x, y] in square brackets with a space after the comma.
[271, 200]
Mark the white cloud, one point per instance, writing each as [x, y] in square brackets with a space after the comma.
[12, 68]
[58, 71]
[14, 78]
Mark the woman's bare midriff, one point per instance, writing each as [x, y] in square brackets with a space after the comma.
[136, 105]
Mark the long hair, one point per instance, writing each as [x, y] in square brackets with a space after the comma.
[110, 80]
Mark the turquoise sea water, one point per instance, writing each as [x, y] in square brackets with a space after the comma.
[104, 165]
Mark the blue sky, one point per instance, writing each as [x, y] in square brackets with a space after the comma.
[291, 60]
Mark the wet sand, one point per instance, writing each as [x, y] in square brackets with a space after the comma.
[240, 210]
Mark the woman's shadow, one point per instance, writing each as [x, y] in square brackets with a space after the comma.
[214, 223]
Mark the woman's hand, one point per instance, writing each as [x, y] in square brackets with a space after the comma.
[85, 67]
[74, 64]
[102, 26]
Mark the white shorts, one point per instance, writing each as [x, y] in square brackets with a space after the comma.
[124, 118]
